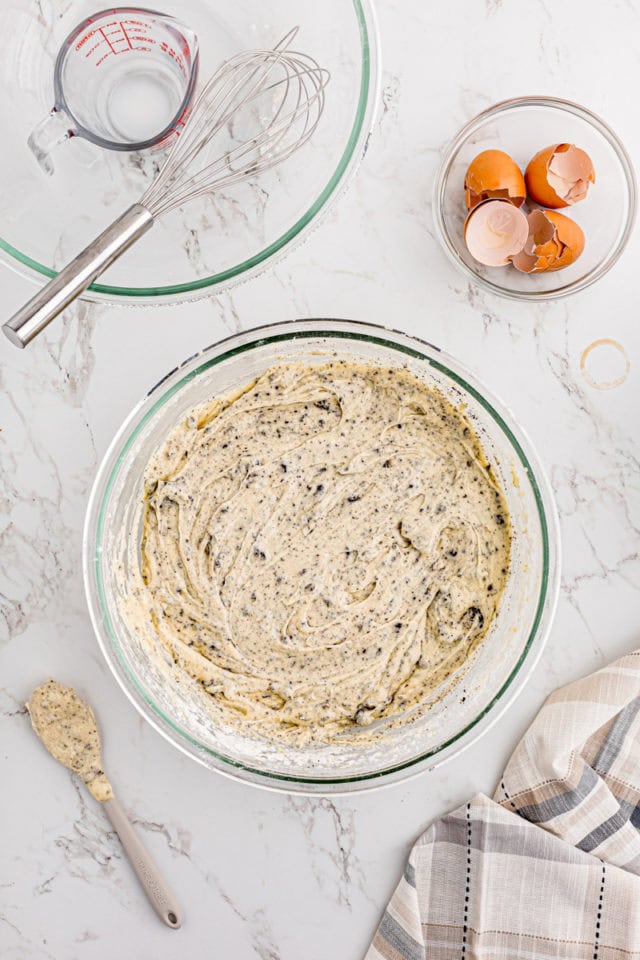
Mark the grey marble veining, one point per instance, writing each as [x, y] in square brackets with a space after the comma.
[264, 875]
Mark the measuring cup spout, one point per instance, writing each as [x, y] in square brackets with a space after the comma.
[46, 135]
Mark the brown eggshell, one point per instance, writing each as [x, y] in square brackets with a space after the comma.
[570, 236]
[494, 231]
[559, 175]
[493, 175]
[554, 242]
[540, 248]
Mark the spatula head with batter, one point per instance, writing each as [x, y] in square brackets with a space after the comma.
[67, 727]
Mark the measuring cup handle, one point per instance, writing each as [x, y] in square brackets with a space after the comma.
[54, 129]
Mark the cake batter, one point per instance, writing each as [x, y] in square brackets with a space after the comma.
[321, 549]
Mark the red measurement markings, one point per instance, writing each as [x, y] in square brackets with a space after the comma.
[90, 52]
[174, 54]
[107, 41]
[118, 39]
[142, 38]
[179, 124]
[125, 34]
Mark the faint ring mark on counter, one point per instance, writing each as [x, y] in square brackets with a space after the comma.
[600, 360]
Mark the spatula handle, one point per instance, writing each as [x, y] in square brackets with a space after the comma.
[160, 896]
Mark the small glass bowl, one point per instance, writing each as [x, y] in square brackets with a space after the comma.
[521, 127]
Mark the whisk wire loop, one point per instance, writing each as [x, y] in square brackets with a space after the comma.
[284, 89]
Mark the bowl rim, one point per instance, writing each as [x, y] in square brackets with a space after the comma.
[450, 153]
[353, 153]
[283, 332]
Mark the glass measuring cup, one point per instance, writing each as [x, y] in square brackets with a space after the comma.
[123, 79]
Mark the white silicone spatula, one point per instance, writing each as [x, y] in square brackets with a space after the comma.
[67, 728]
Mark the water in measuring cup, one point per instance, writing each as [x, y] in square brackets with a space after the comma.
[139, 98]
[122, 78]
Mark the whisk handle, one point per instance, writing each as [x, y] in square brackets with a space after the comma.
[77, 275]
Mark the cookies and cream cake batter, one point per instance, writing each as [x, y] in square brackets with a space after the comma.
[321, 549]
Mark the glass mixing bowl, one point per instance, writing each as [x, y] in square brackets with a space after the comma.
[499, 667]
[213, 241]
[521, 127]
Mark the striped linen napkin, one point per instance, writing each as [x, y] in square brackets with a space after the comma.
[550, 867]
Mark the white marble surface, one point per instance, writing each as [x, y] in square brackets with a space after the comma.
[264, 875]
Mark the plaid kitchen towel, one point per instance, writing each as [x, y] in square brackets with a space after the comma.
[550, 867]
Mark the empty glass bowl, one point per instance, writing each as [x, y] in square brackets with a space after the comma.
[177, 706]
[521, 127]
[215, 240]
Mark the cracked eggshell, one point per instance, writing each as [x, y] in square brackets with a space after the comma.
[495, 231]
[554, 242]
[559, 175]
[493, 175]
[569, 235]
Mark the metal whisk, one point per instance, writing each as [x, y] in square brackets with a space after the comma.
[296, 83]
